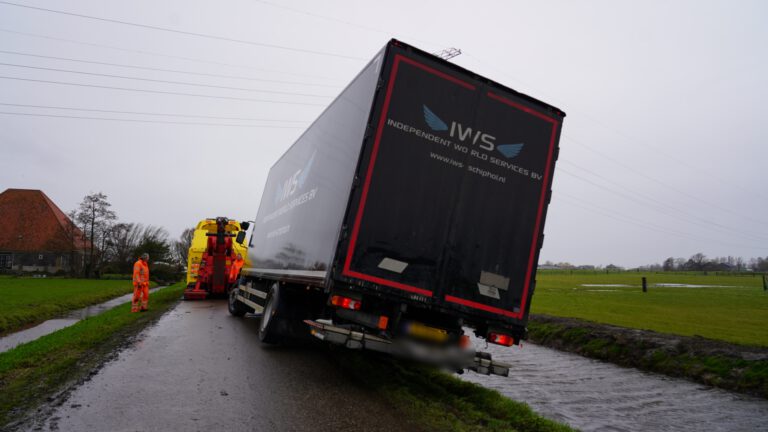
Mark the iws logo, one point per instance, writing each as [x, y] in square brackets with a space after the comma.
[465, 133]
[295, 182]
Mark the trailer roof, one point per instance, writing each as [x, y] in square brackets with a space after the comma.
[474, 75]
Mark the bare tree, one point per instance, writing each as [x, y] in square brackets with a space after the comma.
[95, 218]
[697, 261]
[669, 264]
[122, 243]
[182, 245]
[740, 264]
[154, 241]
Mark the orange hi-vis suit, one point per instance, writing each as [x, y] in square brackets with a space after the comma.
[234, 269]
[140, 285]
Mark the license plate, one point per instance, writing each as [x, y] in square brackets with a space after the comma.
[425, 332]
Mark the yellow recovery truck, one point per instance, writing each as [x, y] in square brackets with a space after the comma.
[215, 245]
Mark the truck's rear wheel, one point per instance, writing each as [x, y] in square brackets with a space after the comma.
[236, 307]
[270, 320]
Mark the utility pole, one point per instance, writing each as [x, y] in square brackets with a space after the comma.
[448, 53]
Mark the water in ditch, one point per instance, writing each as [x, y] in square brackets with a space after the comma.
[28, 335]
[594, 396]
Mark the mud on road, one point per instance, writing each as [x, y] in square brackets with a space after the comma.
[200, 369]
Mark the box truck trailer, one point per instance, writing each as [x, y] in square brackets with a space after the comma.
[410, 211]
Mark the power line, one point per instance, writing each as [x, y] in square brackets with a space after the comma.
[150, 121]
[160, 91]
[662, 183]
[163, 81]
[650, 199]
[157, 54]
[627, 138]
[635, 221]
[188, 33]
[621, 218]
[338, 20]
[167, 70]
[663, 206]
[150, 113]
[660, 150]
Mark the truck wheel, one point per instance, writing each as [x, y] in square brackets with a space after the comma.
[270, 321]
[236, 307]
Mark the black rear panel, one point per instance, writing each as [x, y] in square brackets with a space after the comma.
[454, 188]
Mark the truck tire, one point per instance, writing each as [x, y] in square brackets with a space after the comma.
[270, 319]
[235, 306]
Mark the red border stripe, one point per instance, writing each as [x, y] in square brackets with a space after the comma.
[480, 306]
[436, 72]
[522, 107]
[371, 163]
[387, 282]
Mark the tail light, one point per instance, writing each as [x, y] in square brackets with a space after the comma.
[345, 302]
[500, 339]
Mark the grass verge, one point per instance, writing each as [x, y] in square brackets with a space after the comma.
[720, 364]
[437, 401]
[33, 372]
[27, 301]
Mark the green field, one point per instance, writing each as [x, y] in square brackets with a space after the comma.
[27, 301]
[730, 308]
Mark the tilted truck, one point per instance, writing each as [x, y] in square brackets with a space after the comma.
[411, 209]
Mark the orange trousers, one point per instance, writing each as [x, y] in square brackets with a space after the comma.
[140, 297]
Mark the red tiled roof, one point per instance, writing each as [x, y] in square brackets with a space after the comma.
[31, 222]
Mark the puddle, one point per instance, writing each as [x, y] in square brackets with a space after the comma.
[607, 285]
[47, 327]
[679, 285]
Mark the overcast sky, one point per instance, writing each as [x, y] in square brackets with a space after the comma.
[664, 145]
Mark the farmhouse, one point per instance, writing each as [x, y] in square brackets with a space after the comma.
[35, 235]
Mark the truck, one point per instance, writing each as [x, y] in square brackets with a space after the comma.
[410, 213]
[216, 242]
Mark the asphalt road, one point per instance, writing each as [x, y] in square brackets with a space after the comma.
[199, 369]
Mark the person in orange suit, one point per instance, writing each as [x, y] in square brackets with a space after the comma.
[234, 269]
[140, 284]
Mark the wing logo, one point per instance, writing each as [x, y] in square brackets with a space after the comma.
[509, 150]
[295, 182]
[468, 134]
[305, 171]
[433, 121]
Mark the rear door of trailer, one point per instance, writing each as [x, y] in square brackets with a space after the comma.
[452, 189]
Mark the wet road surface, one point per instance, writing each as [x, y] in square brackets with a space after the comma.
[199, 369]
[596, 396]
[46, 327]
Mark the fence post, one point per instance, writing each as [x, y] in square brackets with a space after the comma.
[645, 284]
[765, 281]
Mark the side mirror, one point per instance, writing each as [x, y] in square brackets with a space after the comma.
[240, 237]
[245, 225]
